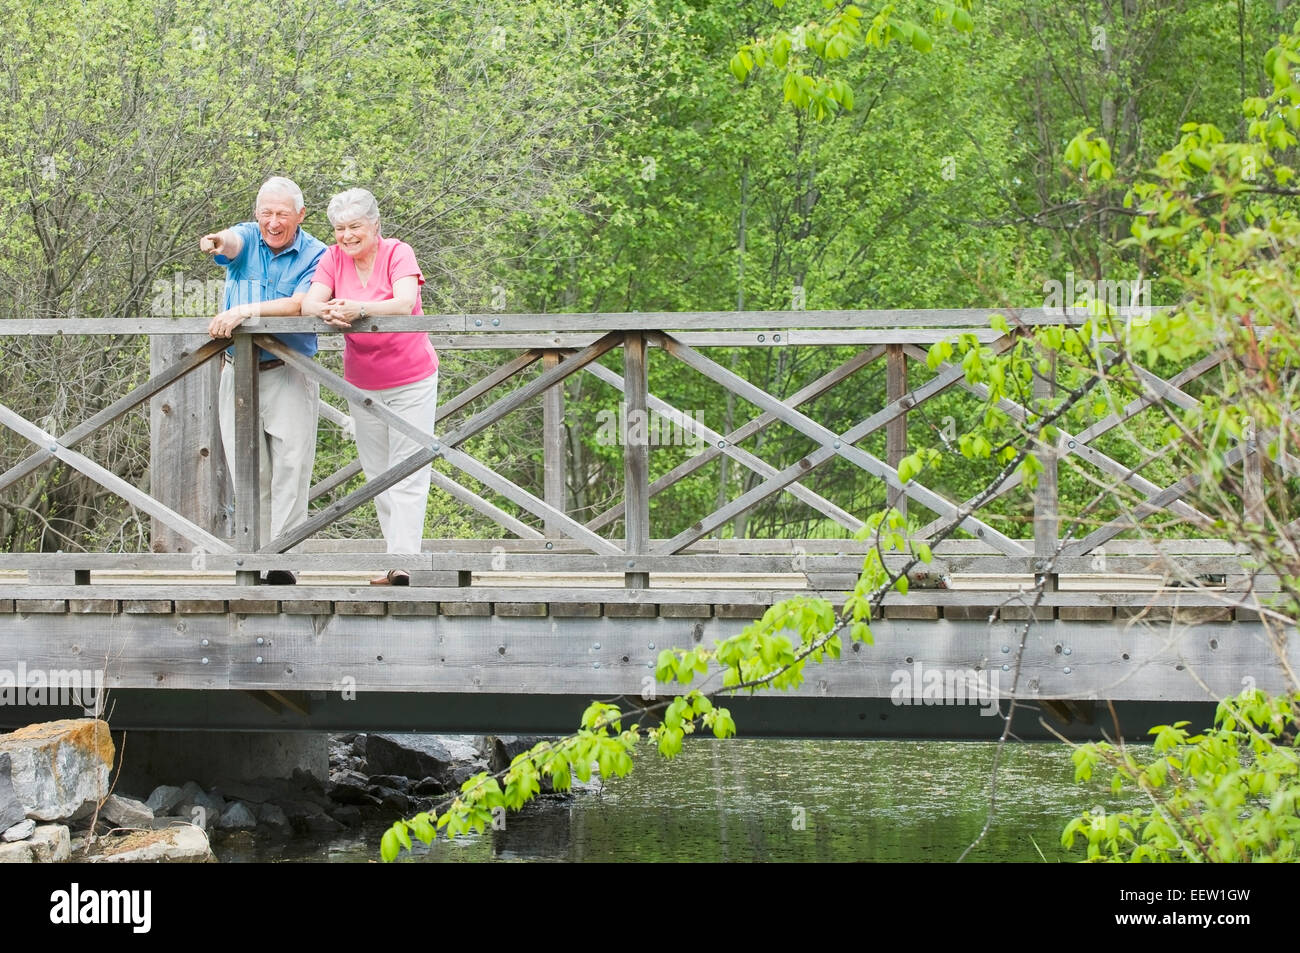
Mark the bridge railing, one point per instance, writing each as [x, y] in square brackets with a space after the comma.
[543, 533]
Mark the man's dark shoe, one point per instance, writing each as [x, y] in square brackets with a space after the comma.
[281, 577]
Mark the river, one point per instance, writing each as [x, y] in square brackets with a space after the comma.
[770, 800]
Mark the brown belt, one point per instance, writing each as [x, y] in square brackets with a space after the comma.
[261, 366]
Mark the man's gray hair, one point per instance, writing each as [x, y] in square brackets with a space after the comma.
[351, 205]
[279, 185]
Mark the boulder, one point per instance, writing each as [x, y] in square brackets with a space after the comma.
[163, 799]
[213, 803]
[20, 831]
[348, 815]
[18, 853]
[237, 818]
[51, 844]
[348, 787]
[125, 812]
[417, 756]
[182, 843]
[359, 746]
[390, 799]
[500, 750]
[11, 809]
[60, 769]
[271, 818]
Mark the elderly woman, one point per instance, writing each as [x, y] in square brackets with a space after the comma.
[360, 275]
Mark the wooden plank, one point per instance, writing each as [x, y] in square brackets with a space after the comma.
[636, 457]
[573, 610]
[1085, 613]
[247, 455]
[109, 480]
[147, 606]
[731, 610]
[41, 605]
[6, 605]
[686, 610]
[306, 606]
[896, 429]
[359, 608]
[631, 610]
[92, 606]
[187, 465]
[520, 610]
[413, 608]
[200, 606]
[911, 612]
[1046, 504]
[554, 445]
[335, 480]
[493, 512]
[254, 606]
[444, 578]
[465, 608]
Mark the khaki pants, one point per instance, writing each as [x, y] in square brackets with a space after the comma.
[287, 401]
[402, 506]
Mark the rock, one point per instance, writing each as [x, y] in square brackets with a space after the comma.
[163, 799]
[428, 787]
[20, 831]
[51, 844]
[417, 756]
[191, 791]
[182, 843]
[348, 787]
[394, 781]
[270, 817]
[60, 769]
[237, 818]
[390, 799]
[349, 815]
[213, 803]
[310, 818]
[322, 824]
[359, 746]
[11, 809]
[19, 853]
[125, 812]
[500, 750]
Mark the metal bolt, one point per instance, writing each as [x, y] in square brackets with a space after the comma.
[496, 322]
[239, 562]
[1066, 670]
[1006, 649]
[204, 660]
[261, 641]
[761, 339]
[1070, 444]
[631, 563]
[836, 445]
[595, 665]
[651, 645]
[1068, 650]
[478, 322]
[259, 660]
[776, 338]
[203, 642]
[54, 448]
[595, 645]
[1006, 668]
[721, 444]
[550, 545]
[435, 446]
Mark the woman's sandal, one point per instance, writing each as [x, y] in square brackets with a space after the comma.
[394, 577]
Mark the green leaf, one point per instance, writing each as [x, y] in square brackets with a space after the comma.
[389, 846]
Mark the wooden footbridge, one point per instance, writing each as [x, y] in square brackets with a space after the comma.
[518, 633]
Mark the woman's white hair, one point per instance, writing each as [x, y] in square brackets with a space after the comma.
[352, 205]
[279, 185]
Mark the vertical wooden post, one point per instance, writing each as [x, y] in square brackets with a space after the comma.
[1252, 479]
[896, 429]
[553, 444]
[636, 455]
[248, 448]
[1046, 509]
[187, 467]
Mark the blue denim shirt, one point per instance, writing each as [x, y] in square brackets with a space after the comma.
[258, 274]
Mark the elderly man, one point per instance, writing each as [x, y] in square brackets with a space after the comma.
[269, 264]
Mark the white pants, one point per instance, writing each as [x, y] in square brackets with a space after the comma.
[401, 507]
[287, 401]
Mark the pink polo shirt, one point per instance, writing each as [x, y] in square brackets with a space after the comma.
[378, 361]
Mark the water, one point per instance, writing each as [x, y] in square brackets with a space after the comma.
[751, 800]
